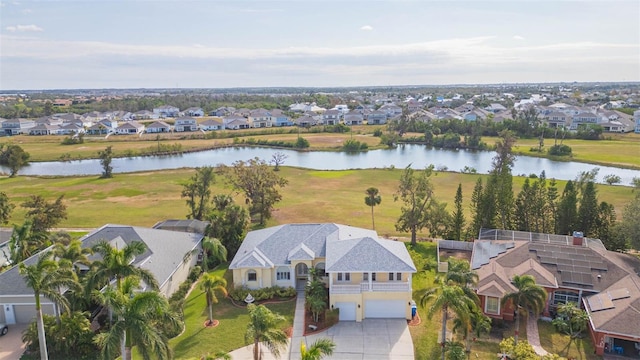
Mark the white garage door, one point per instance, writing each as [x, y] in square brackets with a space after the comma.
[385, 309]
[347, 311]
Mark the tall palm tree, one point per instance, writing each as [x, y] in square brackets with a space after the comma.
[372, 199]
[74, 253]
[478, 323]
[118, 264]
[445, 297]
[264, 328]
[46, 278]
[317, 350]
[528, 296]
[211, 284]
[138, 316]
[212, 247]
[24, 242]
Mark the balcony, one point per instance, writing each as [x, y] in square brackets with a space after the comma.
[373, 287]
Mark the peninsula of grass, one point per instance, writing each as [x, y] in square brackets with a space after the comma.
[198, 340]
[556, 343]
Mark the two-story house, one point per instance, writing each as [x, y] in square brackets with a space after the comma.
[377, 117]
[17, 126]
[185, 124]
[557, 119]
[278, 118]
[367, 277]
[194, 111]
[260, 118]
[166, 111]
[353, 118]
[331, 117]
[583, 118]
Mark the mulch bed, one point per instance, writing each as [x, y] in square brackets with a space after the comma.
[212, 324]
[322, 323]
[415, 321]
[243, 305]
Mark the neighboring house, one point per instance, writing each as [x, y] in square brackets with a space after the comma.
[636, 119]
[211, 125]
[71, 129]
[331, 117]
[367, 277]
[495, 108]
[170, 255]
[99, 129]
[583, 118]
[158, 127]
[306, 120]
[5, 255]
[49, 120]
[278, 118]
[353, 118]
[222, 111]
[235, 123]
[62, 102]
[145, 115]
[130, 128]
[557, 119]
[17, 126]
[377, 117]
[194, 111]
[260, 118]
[185, 124]
[570, 269]
[189, 226]
[391, 110]
[166, 111]
[44, 129]
[413, 105]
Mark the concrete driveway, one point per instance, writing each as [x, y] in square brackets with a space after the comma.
[11, 346]
[374, 339]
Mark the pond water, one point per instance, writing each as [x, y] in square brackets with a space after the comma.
[418, 156]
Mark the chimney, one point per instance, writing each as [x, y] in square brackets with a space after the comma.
[578, 238]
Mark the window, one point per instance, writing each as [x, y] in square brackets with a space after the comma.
[320, 269]
[373, 276]
[492, 305]
[365, 276]
[390, 276]
[252, 275]
[563, 297]
[283, 273]
[399, 276]
[344, 276]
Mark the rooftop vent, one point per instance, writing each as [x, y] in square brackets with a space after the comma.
[578, 238]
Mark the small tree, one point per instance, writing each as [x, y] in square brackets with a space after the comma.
[612, 179]
[521, 350]
[319, 349]
[278, 159]
[198, 192]
[43, 214]
[571, 320]
[211, 284]
[416, 193]
[6, 207]
[106, 156]
[372, 199]
[14, 157]
[457, 217]
[263, 328]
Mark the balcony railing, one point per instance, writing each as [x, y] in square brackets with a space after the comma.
[374, 286]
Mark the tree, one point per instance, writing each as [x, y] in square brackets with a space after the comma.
[372, 199]
[457, 217]
[567, 218]
[278, 159]
[45, 277]
[71, 338]
[263, 328]
[6, 207]
[447, 297]
[44, 215]
[319, 349]
[259, 185]
[214, 248]
[315, 295]
[73, 253]
[518, 350]
[210, 285]
[13, 157]
[628, 229]
[478, 324]
[138, 319]
[227, 222]
[198, 192]
[454, 351]
[528, 296]
[416, 193]
[588, 210]
[105, 157]
[571, 320]
[479, 216]
[500, 185]
[612, 179]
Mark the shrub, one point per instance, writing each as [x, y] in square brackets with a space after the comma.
[72, 339]
[332, 316]
[240, 293]
[302, 143]
[354, 145]
[560, 150]
[377, 132]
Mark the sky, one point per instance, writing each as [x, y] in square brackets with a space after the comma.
[94, 44]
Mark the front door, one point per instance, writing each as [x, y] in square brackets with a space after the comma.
[302, 275]
[9, 315]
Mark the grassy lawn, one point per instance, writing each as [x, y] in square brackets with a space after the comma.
[228, 335]
[556, 343]
[142, 199]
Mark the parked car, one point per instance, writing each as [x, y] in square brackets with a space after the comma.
[4, 329]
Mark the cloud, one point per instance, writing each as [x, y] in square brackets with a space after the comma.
[24, 28]
[27, 11]
[518, 37]
[366, 28]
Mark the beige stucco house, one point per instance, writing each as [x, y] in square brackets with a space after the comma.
[367, 277]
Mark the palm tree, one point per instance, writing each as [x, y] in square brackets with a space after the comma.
[213, 247]
[372, 199]
[118, 264]
[138, 316]
[445, 297]
[317, 350]
[478, 323]
[263, 327]
[211, 284]
[46, 278]
[529, 296]
[74, 253]
[24, 242]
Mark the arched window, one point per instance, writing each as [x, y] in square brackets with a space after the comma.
[252, 275]
[320, 270]
[283, 273]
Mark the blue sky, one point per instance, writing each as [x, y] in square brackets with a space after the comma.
[145, 44]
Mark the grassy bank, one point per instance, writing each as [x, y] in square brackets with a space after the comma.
[311, 196]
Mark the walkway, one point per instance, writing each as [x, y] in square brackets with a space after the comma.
[297, 335]
[533, 336]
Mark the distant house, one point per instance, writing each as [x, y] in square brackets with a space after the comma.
[62, 102]
[17, 126]
[222, 111]
[391, 110]
[166, 111]
[353, 118]
[71, 129]
[185, 124]
[306, 120]
[260, 118]
[278, 118]
[130, 128]
[211, 125]
[44, 129]
[99, 129]
[145, 115]
[413, 105]
[495, 108]
[377, 117]
[557, 119]
[158, 127]
[583, 118]
[194, 111]
[331, 117]
[636, 119]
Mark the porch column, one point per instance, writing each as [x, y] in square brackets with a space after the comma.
[579, 298]
[370, 281]
[330, 280]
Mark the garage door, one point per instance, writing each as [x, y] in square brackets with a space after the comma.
[385, 309]
[347, 311]
[24, 313]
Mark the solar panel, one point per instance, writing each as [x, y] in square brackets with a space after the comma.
[619, 294]
[600, 302]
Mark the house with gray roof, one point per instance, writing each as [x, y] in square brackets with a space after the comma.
[367, 276]
[169, 256]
